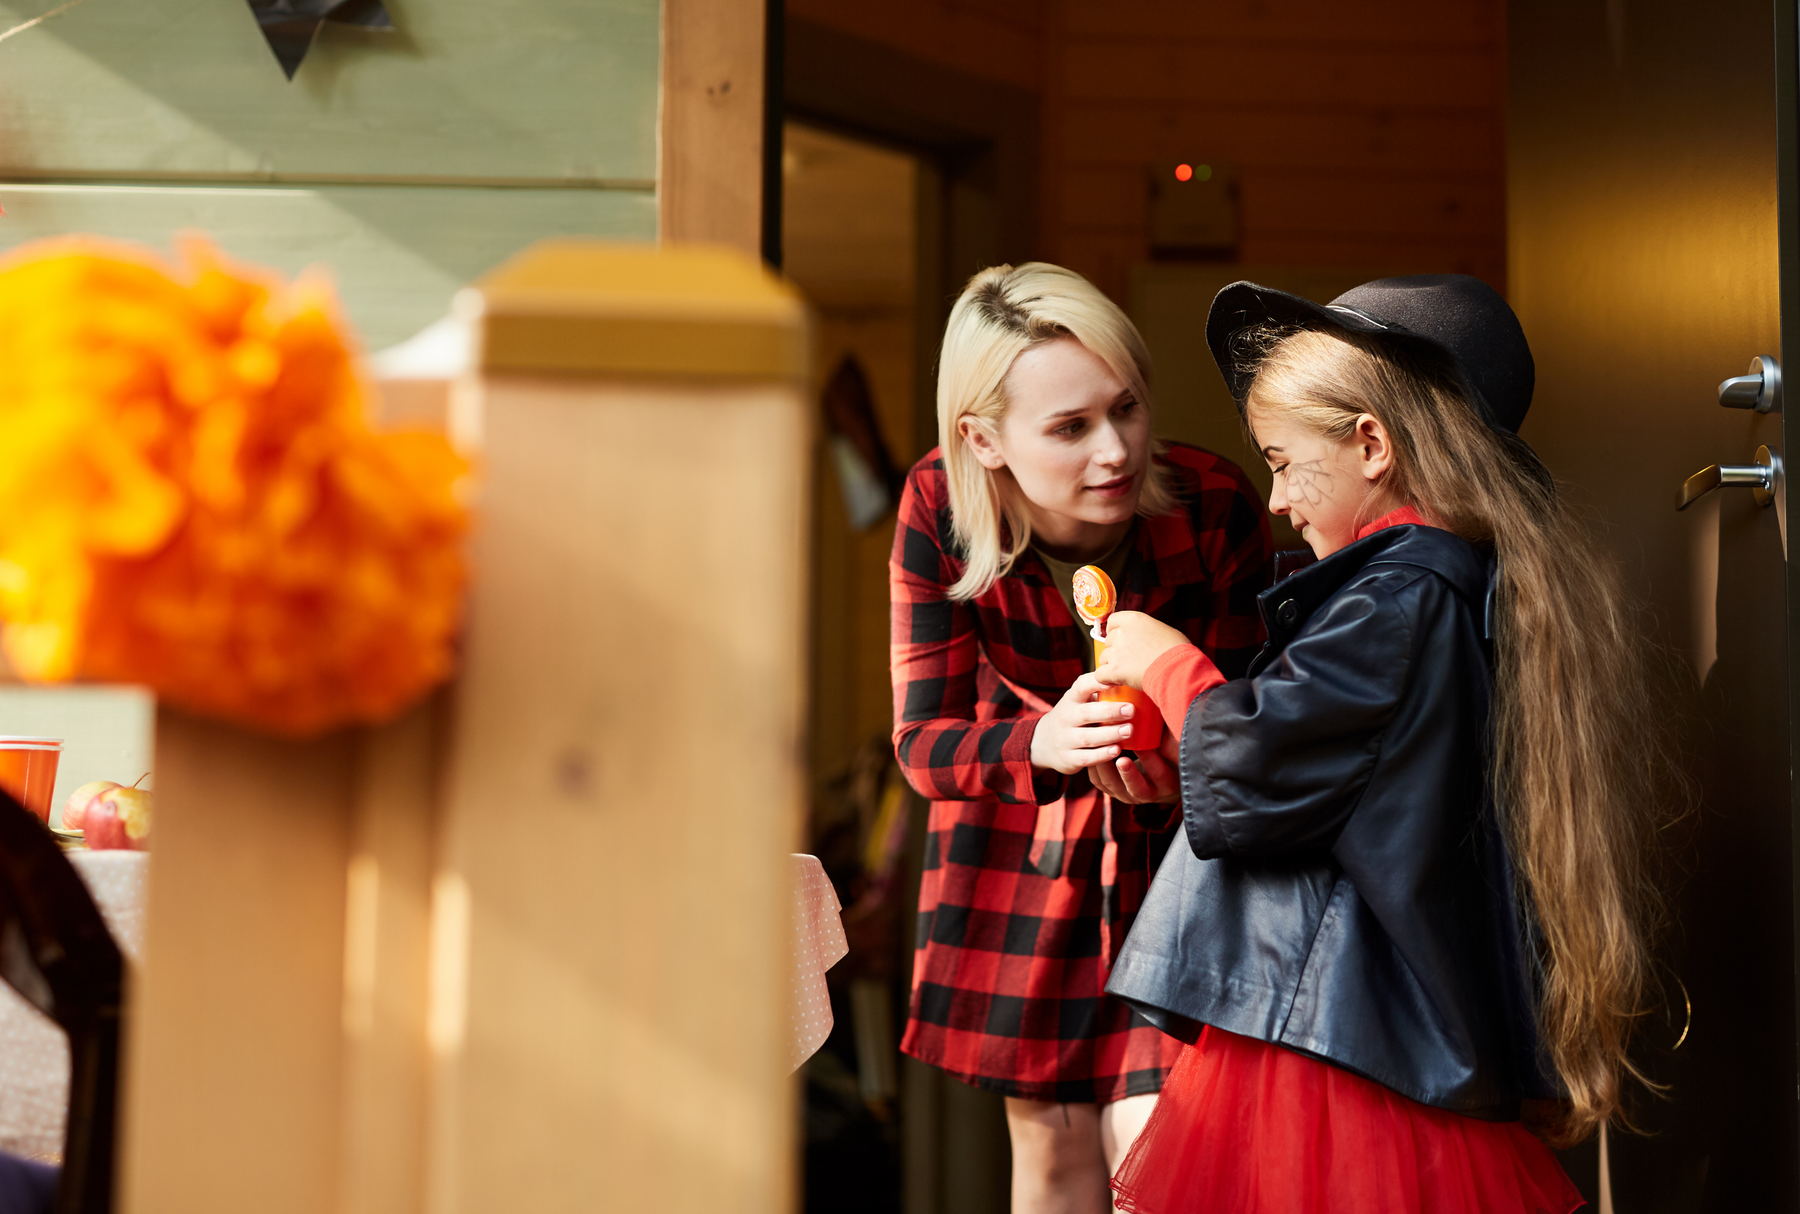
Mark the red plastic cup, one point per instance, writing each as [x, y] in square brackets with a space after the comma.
[1146, 719]
[28, 771]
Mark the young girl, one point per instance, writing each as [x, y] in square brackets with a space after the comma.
[1411, 896]
[1035, 864]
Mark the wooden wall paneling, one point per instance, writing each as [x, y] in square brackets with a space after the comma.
[234, 1054]
[1419, 205]
[1361, 137]
[1221, 72]
[1394, 114]
[711, 127]
[1108, 196]
[396, 253]
[1408, 22]
[1104, 256]
[1442, 222]
[996, 41]
[1053, 121]
[462, 90]
[1484, 258]
[610, 1007]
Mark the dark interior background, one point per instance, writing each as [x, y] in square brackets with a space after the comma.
[1611, 165]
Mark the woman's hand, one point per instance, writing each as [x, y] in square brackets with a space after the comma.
[1152, 779]
[1133, 641]
[1081, 731]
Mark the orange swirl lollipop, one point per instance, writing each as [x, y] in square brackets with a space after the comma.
[1096, 599]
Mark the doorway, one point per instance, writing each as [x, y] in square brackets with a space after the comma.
[882, 1133]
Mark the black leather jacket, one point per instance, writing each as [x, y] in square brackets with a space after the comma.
[1346, 890]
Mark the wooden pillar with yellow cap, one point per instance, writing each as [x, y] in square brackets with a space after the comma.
[610, 915]
[525, 948]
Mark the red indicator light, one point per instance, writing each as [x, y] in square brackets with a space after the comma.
[1184, 172]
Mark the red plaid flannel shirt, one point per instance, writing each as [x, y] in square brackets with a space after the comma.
[1015, 940]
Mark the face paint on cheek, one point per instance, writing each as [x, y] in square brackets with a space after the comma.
[1310, 481]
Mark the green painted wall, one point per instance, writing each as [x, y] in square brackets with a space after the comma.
[405, 162]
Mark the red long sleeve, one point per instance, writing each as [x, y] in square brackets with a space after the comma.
[1175, 678]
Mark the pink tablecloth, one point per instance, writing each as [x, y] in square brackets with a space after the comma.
[819, 944]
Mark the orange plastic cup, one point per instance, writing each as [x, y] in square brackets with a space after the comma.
[28, 771]
[1146, 720]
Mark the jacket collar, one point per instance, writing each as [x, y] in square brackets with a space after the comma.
[1393, 518]
[1288, 604]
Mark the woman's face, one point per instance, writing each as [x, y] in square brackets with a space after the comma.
[1077, 442]
[1327, 488]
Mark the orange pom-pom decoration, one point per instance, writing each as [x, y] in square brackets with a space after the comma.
[191, 496]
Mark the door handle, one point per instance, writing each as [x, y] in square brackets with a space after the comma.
[1759, 390]
[1759, 478]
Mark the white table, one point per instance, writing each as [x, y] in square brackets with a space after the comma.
[34, 1054]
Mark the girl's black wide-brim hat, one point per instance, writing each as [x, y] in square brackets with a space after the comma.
[1451, 320]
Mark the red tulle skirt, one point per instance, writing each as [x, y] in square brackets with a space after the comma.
[1244, 1127]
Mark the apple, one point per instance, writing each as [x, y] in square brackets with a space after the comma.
[75, 812]
[118, 820]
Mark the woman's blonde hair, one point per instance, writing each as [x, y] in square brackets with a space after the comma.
[1583, 757]
[1002, 313]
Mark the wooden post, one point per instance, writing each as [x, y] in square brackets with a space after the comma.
[235, 1038]
[610, 952]
[526, 947]
[709, 177]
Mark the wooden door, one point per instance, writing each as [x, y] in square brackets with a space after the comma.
[1645, 147]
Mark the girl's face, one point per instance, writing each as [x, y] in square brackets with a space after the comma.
[1077, 442]
[1326, 488]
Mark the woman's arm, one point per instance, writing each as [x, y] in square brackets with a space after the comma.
[933, 652]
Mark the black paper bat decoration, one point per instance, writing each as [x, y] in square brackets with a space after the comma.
[291, 25]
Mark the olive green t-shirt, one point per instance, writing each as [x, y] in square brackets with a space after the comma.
[1062, 573]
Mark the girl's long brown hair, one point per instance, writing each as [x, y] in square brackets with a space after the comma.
[1583, 757]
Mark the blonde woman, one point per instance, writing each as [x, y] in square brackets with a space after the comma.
[1046, 818]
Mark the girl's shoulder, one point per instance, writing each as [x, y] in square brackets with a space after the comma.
[1399, 576]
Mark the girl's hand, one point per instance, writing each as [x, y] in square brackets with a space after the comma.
[1080, 731]
[1152, 779]
[1133, 641]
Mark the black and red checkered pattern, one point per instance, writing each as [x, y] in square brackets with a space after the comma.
[1015, 941]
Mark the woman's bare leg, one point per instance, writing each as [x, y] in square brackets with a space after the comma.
[1058, 1166]
[1120, 1124]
